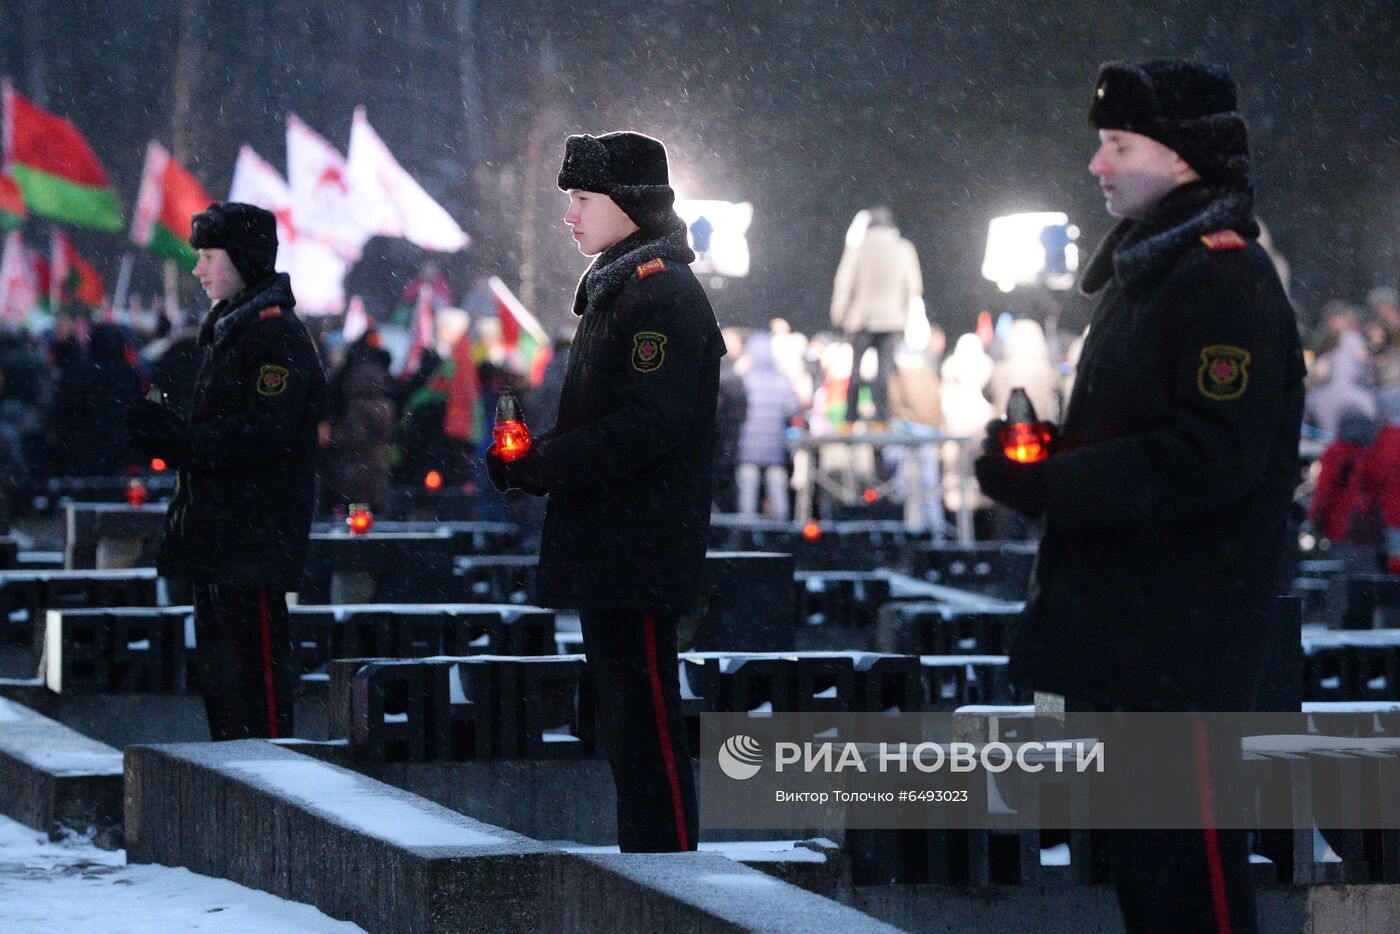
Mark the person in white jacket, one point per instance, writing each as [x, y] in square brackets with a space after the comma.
[877, 282]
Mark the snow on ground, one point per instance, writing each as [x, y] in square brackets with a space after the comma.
[72, 886]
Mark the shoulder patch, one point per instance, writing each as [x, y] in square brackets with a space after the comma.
[273, 312]
[648, 351]
[1224, 372]
[1224, 240]
[651, 266]
[272, 379]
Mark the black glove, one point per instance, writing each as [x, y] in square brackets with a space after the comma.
[155, 430]
[1017, 486]
[506, 477]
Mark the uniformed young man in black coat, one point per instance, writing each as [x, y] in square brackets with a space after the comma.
[237, 527]
[1167, 491]
[627, 471]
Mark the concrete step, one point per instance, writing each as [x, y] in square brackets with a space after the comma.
[309, 831]
[53, 776]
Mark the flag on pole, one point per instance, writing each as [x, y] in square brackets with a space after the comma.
[521, 332]
[55, 168]
[72, 276]
[12, 210]
[256, 182]
[170, 196]
[388, 201]
[19, 291]
[317, 270]
[320, 192]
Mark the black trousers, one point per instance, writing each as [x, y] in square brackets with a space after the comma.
[1179, 880]
[884, 343]
[243, 653]
[636, 679]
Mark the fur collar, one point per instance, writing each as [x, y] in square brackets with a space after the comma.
[1135, 251]
[228, 318]
[615, 265]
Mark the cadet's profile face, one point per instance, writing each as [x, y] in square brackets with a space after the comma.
[596, 220]
[216, 272]
[1135, 172]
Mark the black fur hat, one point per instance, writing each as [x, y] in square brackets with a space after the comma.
[628, 167]
[247, 233]
[1185, 106]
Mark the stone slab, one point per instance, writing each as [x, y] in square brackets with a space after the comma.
[52, 775]
[688, 892]
[357, 849]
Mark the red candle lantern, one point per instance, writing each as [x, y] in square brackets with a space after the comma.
[512, 437]
[360, 519]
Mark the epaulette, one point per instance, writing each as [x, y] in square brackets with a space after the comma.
[651, 266]
[266, 313]
[1225, 239]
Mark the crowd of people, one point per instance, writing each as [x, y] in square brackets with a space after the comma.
[399, 416]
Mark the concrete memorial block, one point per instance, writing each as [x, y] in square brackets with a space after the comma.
[997, 569]
[88, 525]
[746, 605]
[468, 538]
[849, 599]
[495, 578]
[1364, 601]
[397, 567]
[9, 552]
[52, 775]
[26, 595]
[695, 892]
[883, 682]
[934, 628]
[952, 681]
[391, 717]
[263, 816]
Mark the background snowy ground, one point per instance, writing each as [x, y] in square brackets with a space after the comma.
[72, 886]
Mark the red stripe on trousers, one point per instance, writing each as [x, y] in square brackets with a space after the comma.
[1213, 862]
[658, 704]
[267, 664]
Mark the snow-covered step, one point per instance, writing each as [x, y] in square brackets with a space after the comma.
[50, 774]
[688, 892]
[260, 815]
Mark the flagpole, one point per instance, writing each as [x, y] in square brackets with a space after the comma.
[172, 291]
[123, 282]
[55, 276]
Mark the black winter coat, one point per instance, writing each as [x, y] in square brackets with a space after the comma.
[246, 477]
[627, 465]
[1168, 495]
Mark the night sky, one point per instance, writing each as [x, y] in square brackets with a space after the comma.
[950, 113]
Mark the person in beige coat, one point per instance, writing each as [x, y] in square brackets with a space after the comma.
[877, 281]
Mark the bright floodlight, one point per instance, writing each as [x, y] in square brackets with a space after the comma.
[1025, 249]
[718, 234]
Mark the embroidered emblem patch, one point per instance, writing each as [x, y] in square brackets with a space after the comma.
[269, 313]
[651, 266]
[272, 379]
[648, 351]
[1224, 240]
[1224, 372]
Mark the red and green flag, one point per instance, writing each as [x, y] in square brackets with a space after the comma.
[170, 196]
[520, 331]
[55, 167]
[12, 210]
[73, 277]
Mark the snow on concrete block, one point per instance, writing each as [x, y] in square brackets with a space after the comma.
[50, 774]
[261, 815]
[698, 892]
